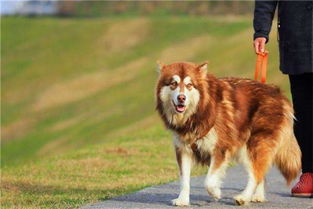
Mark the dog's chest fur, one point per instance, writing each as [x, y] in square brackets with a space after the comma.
[206, 144]
[202, 149]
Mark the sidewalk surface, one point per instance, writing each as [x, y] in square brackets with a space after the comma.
[277, 194]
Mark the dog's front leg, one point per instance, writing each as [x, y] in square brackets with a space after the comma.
[215, 174]
[184, 161]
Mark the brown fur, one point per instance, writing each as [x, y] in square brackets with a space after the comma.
[243, 112]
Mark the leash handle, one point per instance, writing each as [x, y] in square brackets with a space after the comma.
[261, 66]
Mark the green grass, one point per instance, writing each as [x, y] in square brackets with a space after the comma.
[90, 174]
[78, 119]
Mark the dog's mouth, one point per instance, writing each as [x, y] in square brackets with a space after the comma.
[180, 108]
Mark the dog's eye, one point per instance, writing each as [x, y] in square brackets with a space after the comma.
[189, 85]
[173, 84]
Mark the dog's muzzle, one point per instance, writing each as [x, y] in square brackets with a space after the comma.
[180, 107]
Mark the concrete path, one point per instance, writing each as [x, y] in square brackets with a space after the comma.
[277, 194]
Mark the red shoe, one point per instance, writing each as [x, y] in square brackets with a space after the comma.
[304, 188]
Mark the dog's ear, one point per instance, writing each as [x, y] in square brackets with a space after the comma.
[203, 68]
[160, 65]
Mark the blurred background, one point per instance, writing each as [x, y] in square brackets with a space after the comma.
[78, 122]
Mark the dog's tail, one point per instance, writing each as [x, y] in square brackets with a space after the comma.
[288, 156]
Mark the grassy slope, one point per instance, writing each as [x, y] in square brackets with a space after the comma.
[69, 83]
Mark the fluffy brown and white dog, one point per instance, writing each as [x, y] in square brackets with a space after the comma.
[216, 120]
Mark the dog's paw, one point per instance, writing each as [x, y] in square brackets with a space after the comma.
[180, 202]
[214, 192]
[258, 198]
[241, 200]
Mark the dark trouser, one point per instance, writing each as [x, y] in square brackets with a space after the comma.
[302, 97]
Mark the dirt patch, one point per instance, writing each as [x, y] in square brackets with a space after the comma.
[16, 129]
[67, 123]
[56, 146]
[118, 150]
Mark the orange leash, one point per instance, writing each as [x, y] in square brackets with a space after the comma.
[261, 65]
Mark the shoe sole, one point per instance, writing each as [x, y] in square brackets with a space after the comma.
[302, 194]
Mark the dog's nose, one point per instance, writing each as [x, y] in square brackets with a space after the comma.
[181, 98]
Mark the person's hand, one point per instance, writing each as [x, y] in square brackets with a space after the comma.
[259, 45]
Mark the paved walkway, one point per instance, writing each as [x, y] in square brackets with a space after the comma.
[160, 196]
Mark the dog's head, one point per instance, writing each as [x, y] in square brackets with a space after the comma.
[178, 90]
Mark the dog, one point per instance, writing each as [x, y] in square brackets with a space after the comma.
[217, 120]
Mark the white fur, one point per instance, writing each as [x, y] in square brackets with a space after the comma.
[168, 96]
[186, 164]
[187, 80]
[181, 145]
[204, 67]
[176, 78]
[206, 145]
[176, 93]
[259, 195]
[214, 178]
[165, 96]
[183, 198]
[246, 196]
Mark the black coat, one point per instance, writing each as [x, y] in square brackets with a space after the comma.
[295, 32]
